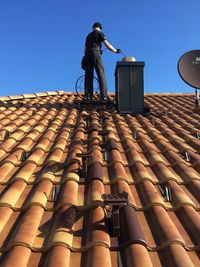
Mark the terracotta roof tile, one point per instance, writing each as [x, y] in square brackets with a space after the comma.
[57, 161]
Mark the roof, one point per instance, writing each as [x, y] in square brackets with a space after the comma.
[58, 158]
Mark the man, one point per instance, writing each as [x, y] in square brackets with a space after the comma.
[93, 60]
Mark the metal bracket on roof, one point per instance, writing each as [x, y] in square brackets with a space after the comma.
[101, 120]
[6, 134]
[85, 157]
[54, 193]
[197, 98]
[153, 121]
[115, 202]
[198, 135]
[135, 135]
[105, 154]
[186, 156]
[166, 192]
[24, 156]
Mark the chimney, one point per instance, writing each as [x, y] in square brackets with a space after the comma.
[129, 86]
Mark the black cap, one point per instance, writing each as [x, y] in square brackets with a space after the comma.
[97, 25]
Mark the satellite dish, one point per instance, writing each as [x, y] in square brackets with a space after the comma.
[189, 68]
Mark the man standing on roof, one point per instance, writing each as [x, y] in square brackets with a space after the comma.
[93, 60]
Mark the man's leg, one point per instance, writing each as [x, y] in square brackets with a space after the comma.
[101, 76]
[89, 73]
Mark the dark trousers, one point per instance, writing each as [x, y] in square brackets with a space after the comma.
[93, 61]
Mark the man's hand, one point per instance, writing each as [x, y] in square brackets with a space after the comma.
[118, 50]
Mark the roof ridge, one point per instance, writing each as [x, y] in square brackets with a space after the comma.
[61, 92]
[168, 93]
[34, 95]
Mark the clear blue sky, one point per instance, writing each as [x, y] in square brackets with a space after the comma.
[41, 41]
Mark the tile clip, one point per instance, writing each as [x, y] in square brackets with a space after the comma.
[105, 154]
[54, 193]
[153, 122]
[198, 135]
[115, 202]
[186, 156]
[135, 135]
[6, 134]
[24, 155]
[166, 192]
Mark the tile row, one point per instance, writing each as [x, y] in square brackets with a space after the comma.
[81, 229]
[143, 195]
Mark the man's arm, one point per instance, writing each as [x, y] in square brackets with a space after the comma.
[109, 46]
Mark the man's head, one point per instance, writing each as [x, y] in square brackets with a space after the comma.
[97, 25]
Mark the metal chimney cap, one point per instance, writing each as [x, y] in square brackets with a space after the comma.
[130, 59]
